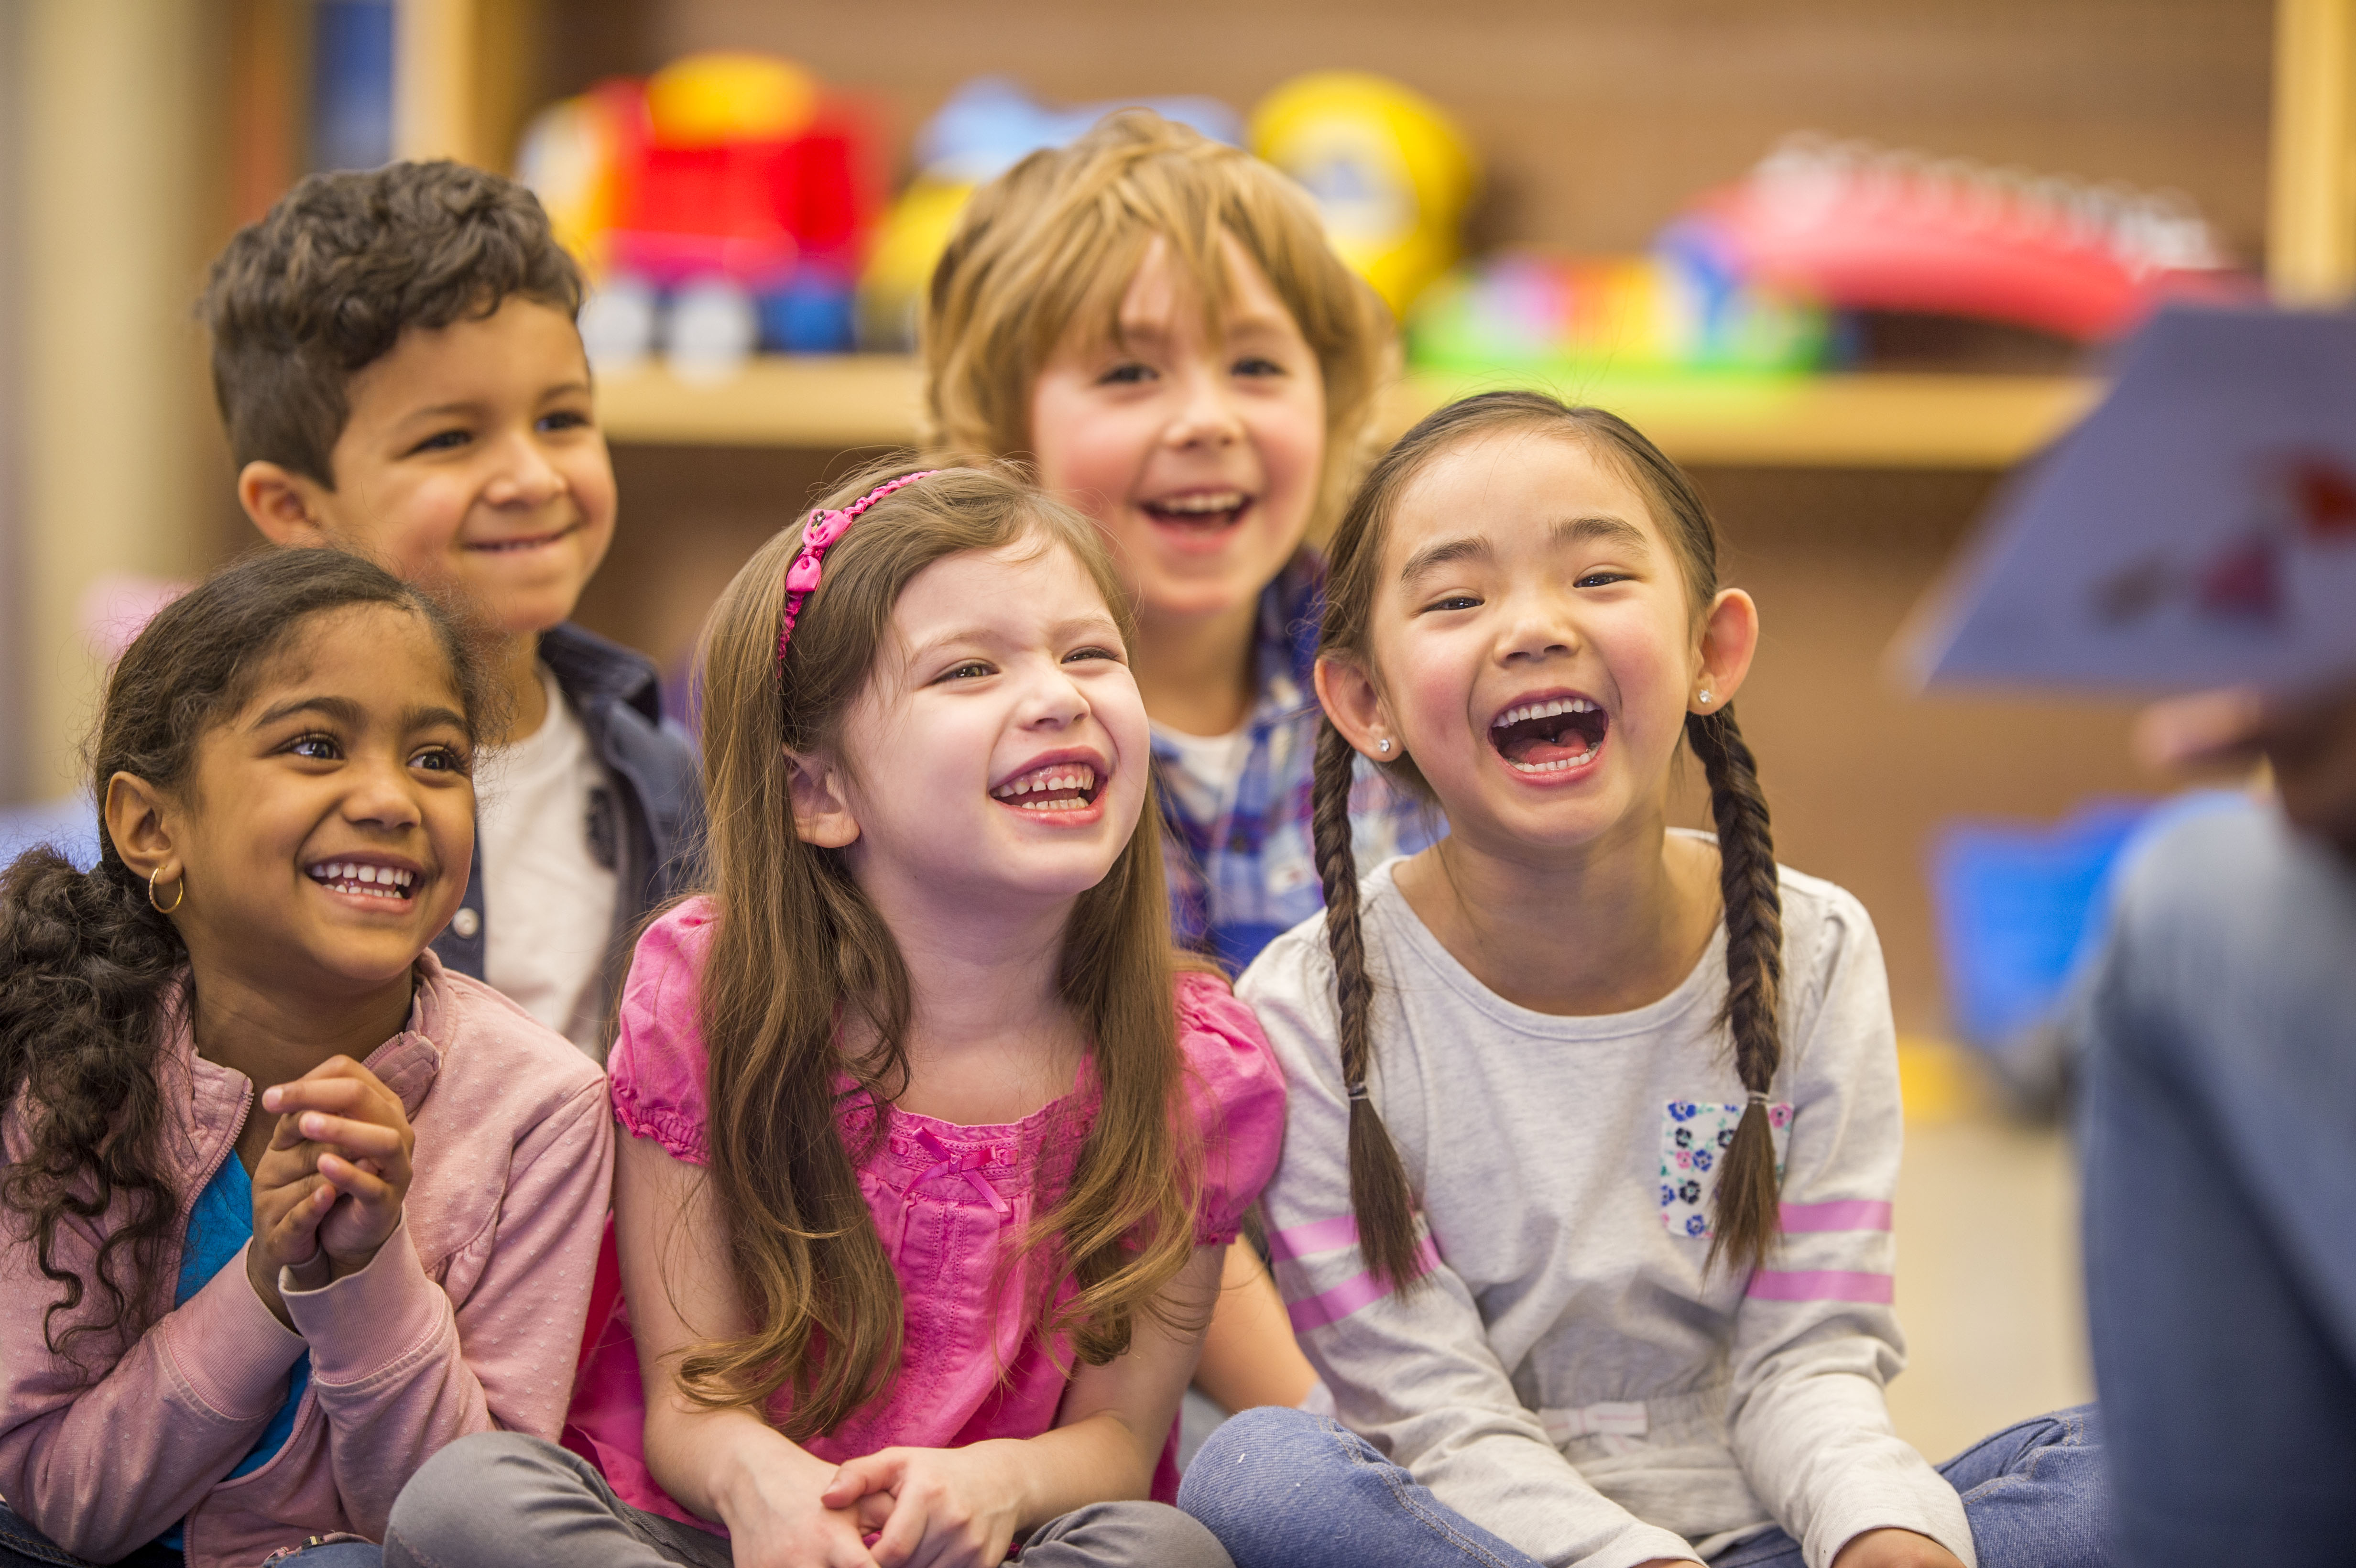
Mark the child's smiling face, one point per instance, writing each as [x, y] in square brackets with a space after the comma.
[1535, 644]
[1198, 448]
[472, 460]
[1000, 750]
[329, 825]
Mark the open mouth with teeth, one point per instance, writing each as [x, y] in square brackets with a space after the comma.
[1200, 511]
[526, 542]
[362, 879]
[1054, 788]
[1549, 737]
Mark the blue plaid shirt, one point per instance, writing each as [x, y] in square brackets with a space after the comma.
[1244, 871]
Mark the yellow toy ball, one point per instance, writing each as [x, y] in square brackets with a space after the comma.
[1389, 169]
[900, 266]
[706, 100]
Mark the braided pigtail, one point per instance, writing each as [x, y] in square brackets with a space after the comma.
[1379, 1189]
[1748, 1215]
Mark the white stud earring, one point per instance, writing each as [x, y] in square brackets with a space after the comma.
[1383, 745]
[1705, 696]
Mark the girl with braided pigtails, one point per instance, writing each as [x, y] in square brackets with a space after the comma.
[1583, 1208]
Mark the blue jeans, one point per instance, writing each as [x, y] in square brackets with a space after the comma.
[22, 1546]
[2220, 1147]
[1296, 1490]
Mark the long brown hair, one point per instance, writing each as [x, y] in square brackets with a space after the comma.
[798, 945]
[1747, 1218]
[1056, 239]
[90, 972]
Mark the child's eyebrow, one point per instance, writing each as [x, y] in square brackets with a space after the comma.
[1598, 530]
[991, 636]
[433, 717]
[342, 709]
[443, 411]
[352, 715]
[1432, 556]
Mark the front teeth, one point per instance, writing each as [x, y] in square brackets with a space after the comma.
[1065, 777]
[1555, 767]
[1224, 501]
[352, 877]
[1542, 711]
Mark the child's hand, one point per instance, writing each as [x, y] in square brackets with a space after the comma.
[290, 1199]
[950, 1507]
[341, 1122]
[1894, 1549]
[777, 1520]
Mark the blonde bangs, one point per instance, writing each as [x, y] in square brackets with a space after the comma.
[1054, 244]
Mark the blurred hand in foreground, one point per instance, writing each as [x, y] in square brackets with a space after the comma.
[2308, 742]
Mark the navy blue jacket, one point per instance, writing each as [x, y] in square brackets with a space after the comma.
[648, 828]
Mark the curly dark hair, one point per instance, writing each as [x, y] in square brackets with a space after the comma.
[329, 280]
[88, 967]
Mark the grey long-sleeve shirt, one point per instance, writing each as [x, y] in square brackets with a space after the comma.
[1567, 1376]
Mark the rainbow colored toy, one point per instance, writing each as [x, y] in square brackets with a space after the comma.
[1654, 315]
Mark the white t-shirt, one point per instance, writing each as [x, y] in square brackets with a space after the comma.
[1571, 1375]
[1206, 769]
[548, 906]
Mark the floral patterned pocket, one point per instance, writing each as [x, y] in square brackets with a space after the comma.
[1695, 1136]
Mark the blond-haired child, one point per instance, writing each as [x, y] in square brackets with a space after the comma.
[1156, 321]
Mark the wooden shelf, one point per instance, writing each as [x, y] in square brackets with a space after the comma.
[1839, 422]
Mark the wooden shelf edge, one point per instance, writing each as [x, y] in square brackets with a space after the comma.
[1840, 421]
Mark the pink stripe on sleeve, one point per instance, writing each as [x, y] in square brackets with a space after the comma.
[1822, 1285]
[1350, 1295]
[1844, 1214]
[1317, 1236]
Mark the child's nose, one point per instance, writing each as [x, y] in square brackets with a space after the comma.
[1537, 629]
[381, 796]
[525, 476]
[1054, 701]
[1207, 414]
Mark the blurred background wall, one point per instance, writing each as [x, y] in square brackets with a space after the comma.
[143, 132]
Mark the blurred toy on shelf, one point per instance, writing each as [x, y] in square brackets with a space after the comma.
[1392, 173]
[1665, 314]
[987, 126]
[723, 205]
[1865, 228]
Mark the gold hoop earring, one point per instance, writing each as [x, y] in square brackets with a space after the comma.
[178, 898]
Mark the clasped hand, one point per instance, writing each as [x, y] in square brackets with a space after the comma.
[896, 1507]
[328, 1190]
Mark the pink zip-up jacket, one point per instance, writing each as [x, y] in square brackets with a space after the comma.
[467, 1320]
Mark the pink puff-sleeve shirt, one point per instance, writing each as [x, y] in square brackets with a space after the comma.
[952, 1204]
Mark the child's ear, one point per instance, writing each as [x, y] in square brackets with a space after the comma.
[135, 820]
[1730, 636]
[285, 505]
[1357, 709]
[821, 805]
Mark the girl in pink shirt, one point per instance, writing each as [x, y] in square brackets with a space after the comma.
[934, 1147]
[284, 1206]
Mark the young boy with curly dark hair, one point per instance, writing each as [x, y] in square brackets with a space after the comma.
[396, 361]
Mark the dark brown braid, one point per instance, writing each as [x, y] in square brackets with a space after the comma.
[1748, 1215]
[1379, 1189]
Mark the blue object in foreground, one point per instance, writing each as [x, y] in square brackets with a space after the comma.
[2018, 905]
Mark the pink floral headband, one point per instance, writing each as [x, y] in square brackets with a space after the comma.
[823, 529]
